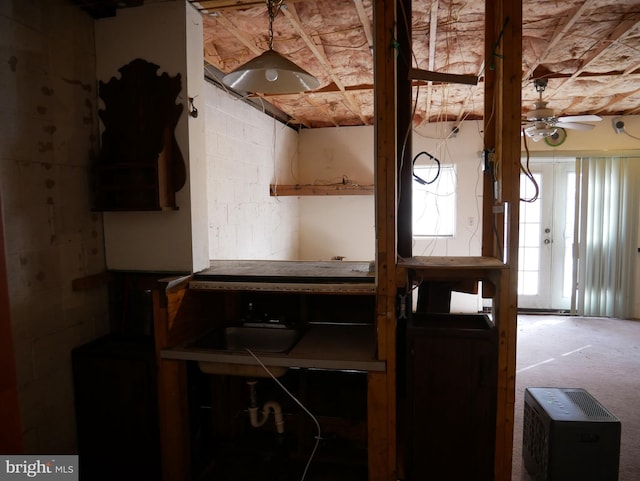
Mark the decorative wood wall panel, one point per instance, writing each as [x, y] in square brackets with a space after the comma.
[140, 166]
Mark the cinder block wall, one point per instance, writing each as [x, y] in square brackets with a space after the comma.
[48, 124]
[247, 150]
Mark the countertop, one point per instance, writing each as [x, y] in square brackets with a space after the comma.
[291, 276]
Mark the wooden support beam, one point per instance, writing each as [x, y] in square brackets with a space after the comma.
[622, 31]
[172, 390]
[383, 463]
[502, 136]
[318, 50]
[242, 38]
[366, 23]
[419, 74]
[559, 34]
[174, 324]
[212, 6]
[433, 35]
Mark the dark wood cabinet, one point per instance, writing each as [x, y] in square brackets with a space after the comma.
[117, 409]
[451, 397]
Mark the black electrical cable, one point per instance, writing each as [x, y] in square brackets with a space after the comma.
[526, 170]
[419, 179]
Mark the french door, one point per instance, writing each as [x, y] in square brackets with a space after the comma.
[545, 263]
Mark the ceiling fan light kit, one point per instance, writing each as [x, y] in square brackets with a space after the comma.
[541, 122]
[270, 72]
[537, 133]
[556, 139]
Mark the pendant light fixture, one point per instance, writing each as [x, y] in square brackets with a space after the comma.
[270, 72]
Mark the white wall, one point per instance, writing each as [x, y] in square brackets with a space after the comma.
[345, 225]
[337, 226]
[246, 151]
[464, 151]
[165, 34]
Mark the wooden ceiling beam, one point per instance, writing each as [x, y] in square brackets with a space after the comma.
[621, 31]
[587, 75]
[448, 78]
[606, 86]
[233, 30]
[559, 34]
[321, 107]
[433, 33]
[212, 56]
[210, 6]
[472, 92]
[292, 15]
[615, 99]
[366, 23]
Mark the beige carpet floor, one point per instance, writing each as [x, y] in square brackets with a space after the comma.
[599, 355]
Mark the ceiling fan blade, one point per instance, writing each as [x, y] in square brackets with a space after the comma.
[574, 125]
[580, 118]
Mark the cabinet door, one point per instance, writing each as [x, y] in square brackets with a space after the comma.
[452, 377]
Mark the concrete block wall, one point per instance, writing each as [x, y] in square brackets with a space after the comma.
[48, 125]
[246, 151]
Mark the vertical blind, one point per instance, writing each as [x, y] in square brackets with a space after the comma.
[607, 234]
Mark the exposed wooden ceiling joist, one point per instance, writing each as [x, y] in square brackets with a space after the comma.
[366, 23]
[318, 51]
[587, 49]
[620, 32]
[561, 31]
[433, 33]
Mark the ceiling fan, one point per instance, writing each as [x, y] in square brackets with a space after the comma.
[541, 122]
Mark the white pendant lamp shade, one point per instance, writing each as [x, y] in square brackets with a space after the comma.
[270, 73]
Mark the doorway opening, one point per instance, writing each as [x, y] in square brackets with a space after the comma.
[547, 222]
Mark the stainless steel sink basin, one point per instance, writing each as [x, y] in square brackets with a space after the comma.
[262, 339]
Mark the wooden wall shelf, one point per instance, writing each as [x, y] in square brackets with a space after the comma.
[310, 189]
[452, 262]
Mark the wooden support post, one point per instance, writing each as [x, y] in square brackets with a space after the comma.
[382, 464]
[172, 392]
[502, 137]
[174, 323]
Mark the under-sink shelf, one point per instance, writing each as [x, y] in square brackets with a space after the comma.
[323, 346]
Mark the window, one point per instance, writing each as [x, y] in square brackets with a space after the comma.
[434, 204]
